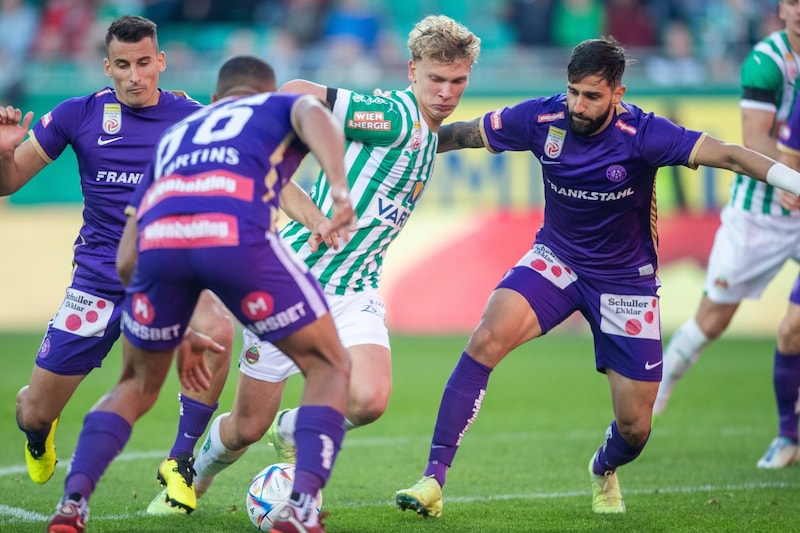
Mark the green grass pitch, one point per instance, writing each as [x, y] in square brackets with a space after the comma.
[521, 467]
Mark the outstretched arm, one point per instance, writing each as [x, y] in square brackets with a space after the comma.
[459, 135]
[317, 128]
[305, 87]
[734, 157]
[791, 160]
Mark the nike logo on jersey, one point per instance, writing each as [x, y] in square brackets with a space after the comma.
[548, 161]
[648, 366]
[103, 142]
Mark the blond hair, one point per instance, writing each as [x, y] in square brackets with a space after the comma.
[442, 39]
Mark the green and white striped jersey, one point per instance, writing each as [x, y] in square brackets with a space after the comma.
[389, 156]
[768, 78]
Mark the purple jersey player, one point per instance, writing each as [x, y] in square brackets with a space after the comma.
[595, 253]
[112, 133]
[205, 219]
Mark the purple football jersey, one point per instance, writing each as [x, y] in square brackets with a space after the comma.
[600, 210]
[113, 144]
[230, 160]
[207, 211]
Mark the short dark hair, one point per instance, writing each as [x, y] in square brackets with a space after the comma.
[603, 57]
[131, 29]
[245, 71]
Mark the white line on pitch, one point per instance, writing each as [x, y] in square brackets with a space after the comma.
[21, 515]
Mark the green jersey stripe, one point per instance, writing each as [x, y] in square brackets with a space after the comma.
[389, 154]
[771, 66]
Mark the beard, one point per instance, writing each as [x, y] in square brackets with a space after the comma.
[585, 127]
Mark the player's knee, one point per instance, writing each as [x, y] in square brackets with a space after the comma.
[32, 414]
[22, 394]
[482, 340]
[247, 434]
[635, 431]
[32, 418]
[486, 347]
[365, 409]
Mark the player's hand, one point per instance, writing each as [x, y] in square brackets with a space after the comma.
[323, 232]
[12, 133]
[193, 370]
[789, 201]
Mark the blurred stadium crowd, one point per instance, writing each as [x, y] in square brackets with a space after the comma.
[55, 45]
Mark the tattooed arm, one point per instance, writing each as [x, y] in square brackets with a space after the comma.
[460, 135]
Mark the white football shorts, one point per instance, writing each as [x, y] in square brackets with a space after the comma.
[748, 252]
[359, 318]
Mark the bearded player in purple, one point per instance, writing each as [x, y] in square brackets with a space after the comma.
[113, 133]
[595, 253]
[206, 216]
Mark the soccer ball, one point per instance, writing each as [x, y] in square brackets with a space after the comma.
[268, 491]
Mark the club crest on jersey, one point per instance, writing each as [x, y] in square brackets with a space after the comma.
[112, 118]
[416, 137]
[790, 66]
[616, 173]
[554, 142]
[252, 355]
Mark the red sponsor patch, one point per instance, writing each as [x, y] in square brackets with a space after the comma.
[221, 184]
[550, 117]
[142, 309]
[496, 120]
[627, 128]
[47, 119]
[258, 305]
[190, 231]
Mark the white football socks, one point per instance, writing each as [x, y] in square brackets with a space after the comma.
[286, 425]
[683, 351]
[213, 458]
